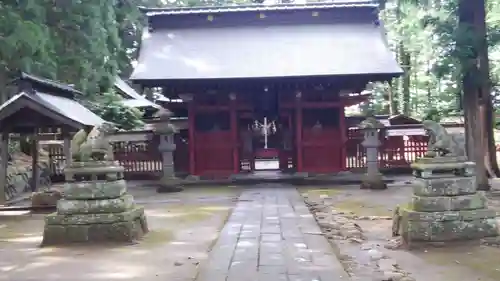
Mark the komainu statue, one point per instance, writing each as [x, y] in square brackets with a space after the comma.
[93, 145]
[441, 143]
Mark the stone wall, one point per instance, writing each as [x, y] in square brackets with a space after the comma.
[19, 174]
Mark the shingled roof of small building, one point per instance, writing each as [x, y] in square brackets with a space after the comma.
[54, 86]
[47, 98]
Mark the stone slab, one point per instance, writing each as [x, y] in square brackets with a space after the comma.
[98, 206]
[442, 231]
[95, 190]
[124, 231]
[262, 221]
[92, 164]
[83, 219]
[88, 170]
[448, 203]
[423, 168]
[451, 186]
[441, 163]
[465, 215]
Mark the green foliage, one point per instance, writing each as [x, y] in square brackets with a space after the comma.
[88, 43]
[109, 107]
[85, 43]
[428, 31]
[433, 114]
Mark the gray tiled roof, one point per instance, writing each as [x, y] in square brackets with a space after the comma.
[264, 52]
[51, 99]
[68, 109]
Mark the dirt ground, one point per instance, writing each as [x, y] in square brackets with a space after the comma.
[183, 227]
[464, 262]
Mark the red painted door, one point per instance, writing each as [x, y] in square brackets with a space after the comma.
[321, 140]
[213, 148]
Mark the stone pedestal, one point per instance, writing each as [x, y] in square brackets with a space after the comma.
[445, 206]
[95, 207]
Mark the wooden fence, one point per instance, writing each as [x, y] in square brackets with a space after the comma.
[138, 151]
[398, 148]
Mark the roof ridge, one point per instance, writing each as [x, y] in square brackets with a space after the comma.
[49, 83]
[257, 7]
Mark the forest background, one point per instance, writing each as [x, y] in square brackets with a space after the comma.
[449, 49]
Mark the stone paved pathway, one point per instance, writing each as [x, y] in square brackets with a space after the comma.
[271, 236]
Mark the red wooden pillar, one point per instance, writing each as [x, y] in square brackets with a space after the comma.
[234, 132]
[343, 132]
[298, 130]
[191, 130]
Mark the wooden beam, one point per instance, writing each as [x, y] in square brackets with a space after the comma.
[234, 132]
[192, 140]
[343, 132]
[298, 130]
[67, 152]
[35, 169]
[4, 160]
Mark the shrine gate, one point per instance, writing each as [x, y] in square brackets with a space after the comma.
[282, 73]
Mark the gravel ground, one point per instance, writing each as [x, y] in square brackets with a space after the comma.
[358, 225]
[183, 227]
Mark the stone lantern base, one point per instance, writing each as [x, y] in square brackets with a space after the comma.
[375, 182]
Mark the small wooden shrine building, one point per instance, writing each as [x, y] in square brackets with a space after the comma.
[40, 105]
[283, 71]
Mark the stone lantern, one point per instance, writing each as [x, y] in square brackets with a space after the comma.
[373, 179]
[166, 131]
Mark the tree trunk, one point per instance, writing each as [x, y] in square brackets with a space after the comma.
[405, 85]
[472, 90]
[405, 60]
[393, 100]
[491, 153]
[486, 103]
[428, 85]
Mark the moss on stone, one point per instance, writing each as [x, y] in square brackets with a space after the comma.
[407, 207]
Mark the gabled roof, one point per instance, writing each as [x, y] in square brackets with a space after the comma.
[52, 102]
[239, 42]
[256, 52]
[131, 97]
